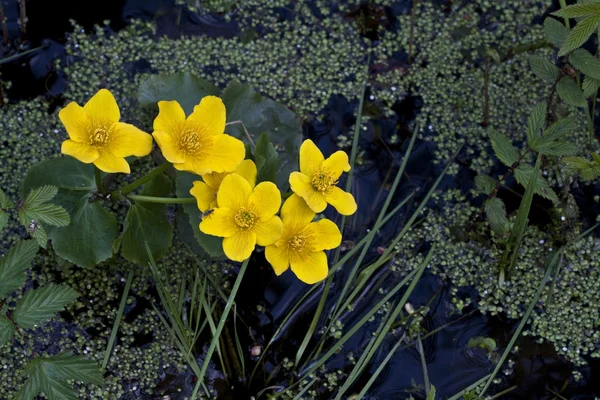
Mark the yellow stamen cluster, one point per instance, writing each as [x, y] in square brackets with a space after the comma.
[297, 243]
[322, 181]
[190, 142]
[245, 218]
[100, 137]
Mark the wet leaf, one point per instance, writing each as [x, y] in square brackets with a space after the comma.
[556, 32]
[39, 305]
[13, 266]
[503, 148]
[570, 92]
[544, 69]
[580, 33]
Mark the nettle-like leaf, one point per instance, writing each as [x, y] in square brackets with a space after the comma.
[503, 148]
[266, 158]
[535, 123]
[555, 148]
[587, 170]
[580, 9]
[36, 210]
[570, 92]
[5, 205]
[39, 305]
[13, 266]
[555, 31]
[544, 69]
[590, 86]
[581, 32]
[560, 128]
[523, 174]
[496, 215]
[583, 61]
[52, 376]
[7, 330]
[485, 184]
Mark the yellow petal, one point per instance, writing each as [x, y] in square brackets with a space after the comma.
[204, 195]
[209, 116]
[214, 179]
[226, 154]
[219, 223]
[77, 122]
[343, 202]
[337, 163]
[324, 235]
[168, 147]
[81, 151]
[300, 184]
[170, 117]
[103, 108]
[267, 232]
[195, 165]
[295, 211]
[265, 200]
[127, 140]
[239, 246]
[234, 192]
[309, 267]
[278, 258]
[310, 157]
[111, 164]
[247, 170]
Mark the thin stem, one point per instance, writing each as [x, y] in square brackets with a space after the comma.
[115, 328]
[162, 200]
[119, 193]
[99, 181]
[245, 131]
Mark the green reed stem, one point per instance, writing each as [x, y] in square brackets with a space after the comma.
[162, 200]
[119, 316]
[119, 193]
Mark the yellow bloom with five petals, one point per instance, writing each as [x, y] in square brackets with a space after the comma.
[197, 143]
[206, 192]
[96, 135]
[302, 242]
[245, 216]
[316, 182]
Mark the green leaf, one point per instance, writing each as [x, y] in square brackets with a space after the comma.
[5, 204]
[580, 34]
[40, 195]
[486, 343]
[47, 213]
[496, 215]
[148, 223]
[582, 60]
[570, 92]
[66, 173]
[485, 184]
[535, 123]
[201, 243]
[555, 31]
[39, 305]
[578, 10]
[40, 235]
[556, 148]
[261, 114]
[431, 394]
[266, 159]
[590, 86]
[493, 54]
[88, 240]
[184, 87]
[587, 170]
[544, 69]
[503, 148]
[523, 174]
[14, 264]
[560, 128]
[7, 330]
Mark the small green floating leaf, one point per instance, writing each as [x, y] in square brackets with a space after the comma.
[544, 69]
[503, 148]
[570, 92]
[486, 343]
[13, 266]
[496, 215]
[555, 31]
[583, 61]
[541, 187]
[7, 330]
[580, 33]
[39, 305]
[485, 184]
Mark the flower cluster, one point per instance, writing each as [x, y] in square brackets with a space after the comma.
[234, 207]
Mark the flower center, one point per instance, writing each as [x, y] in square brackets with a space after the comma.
[321, 181]
[297, 243]
[245, 218]
[99, 138]
[190, 142]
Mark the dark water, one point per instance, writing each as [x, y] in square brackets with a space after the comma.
[451, 366]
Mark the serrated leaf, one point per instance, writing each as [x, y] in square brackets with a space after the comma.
[485, 184]
[432, 392]
[555, 31]
[47, 213]
[587, 170]
[7, 330]
[556, 148]
[503, 148]
[570, 92]
[39, 305]
[590, 86]
[40, 235]
[578, 10]
[524, 172]
[496, 215]
[40, 195]
[544, 69]
[535, 122]
[267, 160]
[493, 54]
[5, 202]
[14, 264]
[560, 128]
[583, 61]
[148, 223]
[580, 33]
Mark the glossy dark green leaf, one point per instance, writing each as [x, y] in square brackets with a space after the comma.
[14, 264]
[266, 159]
[39, 305]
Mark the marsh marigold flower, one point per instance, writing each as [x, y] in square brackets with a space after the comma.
[245, 216]
[197, 143]
[206, 192]
[302, 242]
[316, 182]
[96, 135]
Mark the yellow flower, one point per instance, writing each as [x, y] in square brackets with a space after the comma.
[97, 136]
[244, 217]
[206, 192]
[302, 242]
[197, 144]
[316, 182]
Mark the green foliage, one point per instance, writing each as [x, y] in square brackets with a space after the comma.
[588, 170]
[266, 158]
[431, 394]
[36, 209]
[52, 376]
[535, 123]
[580, 9]
[39, 305]
[570, 92]
[503, 148]
[485, 184]
[544, 69]
[7, 330]
[5, 205]
[13, 266]
[590, 86]
[486, 343]
[580, 33]
[583, 61]
[555, 31]
[541, 187]
[148, 223]
[496, 215]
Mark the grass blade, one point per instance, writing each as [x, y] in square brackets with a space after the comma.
[460, 395]
[118, 317]
[379, 369]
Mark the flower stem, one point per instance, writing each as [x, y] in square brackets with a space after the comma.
[99, 181]
[162, 200]
[119, 193]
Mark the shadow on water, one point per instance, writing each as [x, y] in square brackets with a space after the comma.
[451, 366]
